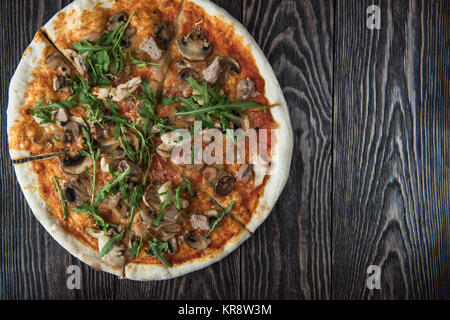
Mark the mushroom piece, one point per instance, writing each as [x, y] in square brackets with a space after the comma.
[185, 73]
[78, 61]
[150, 199]
[147, 216]
[115, 19]
[135, 170]
[62, 116]
[219, 70]
[245, 172]
[196, 241]
[59, 83]
[200, 222]
[57, 63]
[115, 257]
[173, 245]
[75, 165]
[246, 89]
[76, 192]
[165, 191]
[71, 130]
[164, 33]
[224, 184]
[194, 46]
[123, 90]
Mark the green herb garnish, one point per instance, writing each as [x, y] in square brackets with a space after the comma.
[219, 217]
[111, 243]
[157, 249]
[60, 196]
[47, 112]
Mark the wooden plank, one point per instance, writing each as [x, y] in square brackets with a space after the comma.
[290, 255]
[33, 265]
[391, 190]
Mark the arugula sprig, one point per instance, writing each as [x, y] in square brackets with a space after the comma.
[141, 63]
[157, 249]
[105, 52]
[47, 112]
[222, 213]
[136, 195]
[92, 211]
[136, 247]
[209, 104]
[60, 196]
[111, 243]
[94, 154]
[110, 187]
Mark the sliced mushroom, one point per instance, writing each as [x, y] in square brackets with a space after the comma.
[245, 172]
[150, 199]
[147, 216]
[135, 170]
[76, 192]
[62, 116]
[194, 46]
[71, 130]
[173, 245]
[123, 90]
[75, 165]
[185, 73]
[171, 214]
[219, 70]
[164, 33]
[57, 63]
[115, 257]
[78, 61]
[165, 191]
[164, 150]
[60, 83]
[246, 89]
[196, 241]
[224, 184]
[200, 222]
[115, 19]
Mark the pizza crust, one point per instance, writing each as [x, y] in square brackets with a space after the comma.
[28, 181]
[141, 272]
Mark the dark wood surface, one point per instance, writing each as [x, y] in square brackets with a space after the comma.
[370, 176]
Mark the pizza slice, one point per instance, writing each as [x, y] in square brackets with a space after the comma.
[214, 79]
[38, 101]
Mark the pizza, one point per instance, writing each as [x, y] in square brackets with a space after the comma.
[150, 138]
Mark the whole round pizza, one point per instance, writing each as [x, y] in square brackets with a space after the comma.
[150, 137]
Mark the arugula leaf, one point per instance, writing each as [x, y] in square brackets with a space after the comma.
[109, 187]
[136, 248]
[165, 203]
[135, 199]
[208, 104]
[186, 185]
[110, 244]
[46, 112]
[141, 63]
[157, 249]
[93, 212]
[60, 196]
[219, 217]
[95, 155]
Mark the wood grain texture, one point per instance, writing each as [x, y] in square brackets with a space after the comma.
[391, 151]
[369, 181]
[290, 255]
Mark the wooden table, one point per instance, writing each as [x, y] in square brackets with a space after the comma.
[370, 176]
